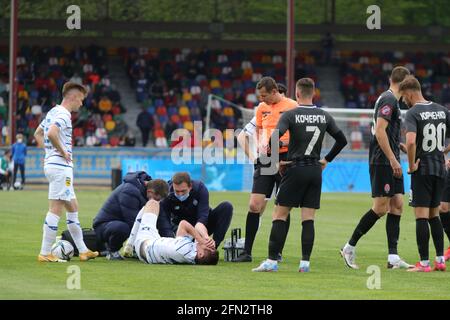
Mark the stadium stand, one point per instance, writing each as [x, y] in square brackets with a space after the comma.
[173, 85]
[41, 72]
[364, 74]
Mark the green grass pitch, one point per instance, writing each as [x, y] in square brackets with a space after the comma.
[22, 277]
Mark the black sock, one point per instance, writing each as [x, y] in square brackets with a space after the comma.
[277, 237]
[422, 237]
[438, 235]
[392, 231]
[364, 225]
[307, 239]
[251, 228]
[445, 220]
[288, 223]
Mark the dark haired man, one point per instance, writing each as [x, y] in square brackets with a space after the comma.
[301, 184]
[116, 217]
[385, 175]
[188, 247]
[427, 126]
[273, 105]
[189, 200]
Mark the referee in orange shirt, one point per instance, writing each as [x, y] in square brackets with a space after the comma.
[272, 106]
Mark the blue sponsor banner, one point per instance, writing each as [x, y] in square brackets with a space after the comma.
[94, 165]
[91, 165]
[344, 175]
[217, 177]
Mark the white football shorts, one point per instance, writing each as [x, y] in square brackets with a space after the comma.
[60, 183]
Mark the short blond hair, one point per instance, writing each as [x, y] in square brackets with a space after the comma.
[73, 86]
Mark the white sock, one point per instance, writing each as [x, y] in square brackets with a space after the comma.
[348, 247]
[272, 261]
[393, 258]
[304, 263]
[135, 229]
[73, 224]
[425, 263]
[50, 229]
[440, 259]
[149, 218]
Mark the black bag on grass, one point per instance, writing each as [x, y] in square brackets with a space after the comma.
[89, 237]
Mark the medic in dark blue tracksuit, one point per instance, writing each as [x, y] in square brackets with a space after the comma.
[115, 219]
[189, 200]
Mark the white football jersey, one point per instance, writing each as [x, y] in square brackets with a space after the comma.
[250, 128]
[60, 117]
[172, 250]
[250, 131]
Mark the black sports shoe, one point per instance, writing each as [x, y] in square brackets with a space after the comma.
[114, 255]
[243, 257]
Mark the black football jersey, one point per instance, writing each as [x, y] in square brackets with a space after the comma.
[307, 126]
[386, 107]
[431, 123]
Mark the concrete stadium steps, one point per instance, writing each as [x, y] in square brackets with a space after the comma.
[329, 79]
[120, 79]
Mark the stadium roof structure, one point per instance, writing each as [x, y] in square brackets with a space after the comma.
[231, 35]
[405, 25]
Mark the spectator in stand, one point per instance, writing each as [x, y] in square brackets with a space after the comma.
[121, 128]
[145, 124]
[129, 140]
[171, 126]
[105, 105]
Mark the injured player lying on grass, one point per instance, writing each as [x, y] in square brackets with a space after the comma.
[188, 247]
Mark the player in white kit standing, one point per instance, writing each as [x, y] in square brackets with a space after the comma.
[55, 135]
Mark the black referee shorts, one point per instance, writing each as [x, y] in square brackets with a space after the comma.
[301, 186]
[426, 191]
[446, 192]
[264, 184]
[383, 183]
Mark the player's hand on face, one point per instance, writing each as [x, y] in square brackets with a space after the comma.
[209, 244]
[323, 163]
[414, 167]
[396, 168]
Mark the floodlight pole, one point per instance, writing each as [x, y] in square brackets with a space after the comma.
[12, 71]
[290, 49]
